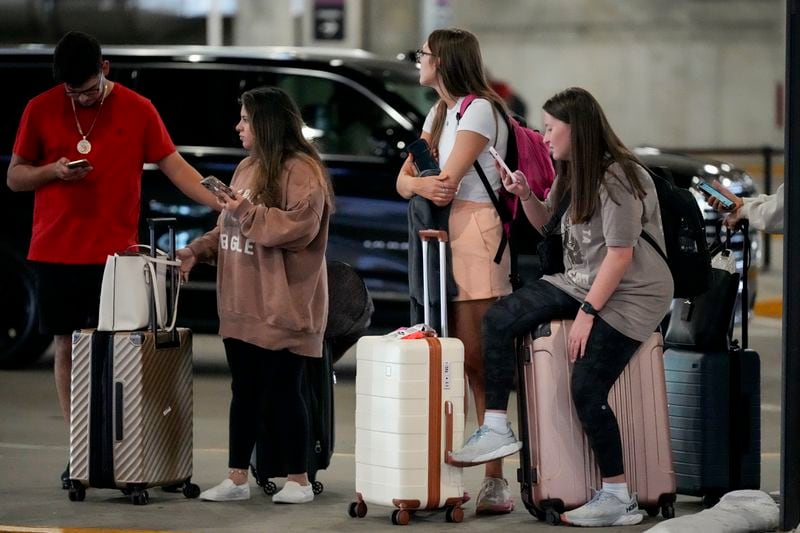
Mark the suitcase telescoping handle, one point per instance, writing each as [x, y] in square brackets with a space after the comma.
[744, 226]
[425, 235]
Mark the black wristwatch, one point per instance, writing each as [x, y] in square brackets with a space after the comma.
[587, 308]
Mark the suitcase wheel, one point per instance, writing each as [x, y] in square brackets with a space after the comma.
[269, 488]
[76, 492]
[357, 509]
[317, 487]
[191, 490]
[651, 511]
[552, 516]
[140, 497]
[400, 517]
[668, 511]
[454, 514]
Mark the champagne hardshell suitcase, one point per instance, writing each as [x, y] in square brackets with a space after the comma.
[409, 413]
[557, 466]
[131, 409]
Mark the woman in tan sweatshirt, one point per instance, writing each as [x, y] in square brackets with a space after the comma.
[269, 247]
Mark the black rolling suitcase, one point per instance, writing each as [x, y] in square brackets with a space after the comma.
[349, 312]
[714, 395]
[266, 462]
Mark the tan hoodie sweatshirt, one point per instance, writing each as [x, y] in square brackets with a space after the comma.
[272, 283]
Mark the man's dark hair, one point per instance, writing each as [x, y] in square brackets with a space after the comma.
[77, 58]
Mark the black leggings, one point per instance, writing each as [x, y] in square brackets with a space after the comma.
[607, 353]
[266, 383]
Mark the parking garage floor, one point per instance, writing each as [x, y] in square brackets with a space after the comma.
[33, 452]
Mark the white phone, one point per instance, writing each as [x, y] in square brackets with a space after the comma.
[499, 159]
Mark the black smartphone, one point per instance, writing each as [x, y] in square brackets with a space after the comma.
[423, 158]
[214, 185]
[708, 189]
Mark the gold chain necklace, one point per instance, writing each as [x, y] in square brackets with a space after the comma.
[84, 146]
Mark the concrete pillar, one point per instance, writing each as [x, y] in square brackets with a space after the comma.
[259, 23]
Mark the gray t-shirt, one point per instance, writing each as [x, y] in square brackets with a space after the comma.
[643, 296]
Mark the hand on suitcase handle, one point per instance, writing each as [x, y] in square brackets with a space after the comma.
[188, 260]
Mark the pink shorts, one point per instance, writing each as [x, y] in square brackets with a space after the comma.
[475, 232]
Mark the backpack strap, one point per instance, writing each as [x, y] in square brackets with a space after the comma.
[502, 210]
[649, 238]
[646, 236]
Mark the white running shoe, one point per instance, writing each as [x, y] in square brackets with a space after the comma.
[227, 491]
[486, 445]
[604, 509]
[294, 492]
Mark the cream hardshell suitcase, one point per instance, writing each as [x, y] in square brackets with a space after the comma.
[557, 465]
[409, 413]
[131, 409]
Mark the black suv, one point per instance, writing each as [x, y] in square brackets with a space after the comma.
[362, 111]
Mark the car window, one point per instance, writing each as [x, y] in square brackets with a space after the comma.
[340, 119]
[199, 106]
[422, 98]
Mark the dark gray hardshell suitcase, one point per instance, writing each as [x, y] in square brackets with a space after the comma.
[714, 399]
[715, 420]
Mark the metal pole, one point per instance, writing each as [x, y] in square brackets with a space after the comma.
[767, 253]
[790, 398]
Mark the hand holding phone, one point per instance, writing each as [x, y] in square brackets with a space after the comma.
[213, 184]
[79, 163]
[423, 158]
[502, 163]
[709, 190]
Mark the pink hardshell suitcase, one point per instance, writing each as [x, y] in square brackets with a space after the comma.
[557, 466]
[409, 414]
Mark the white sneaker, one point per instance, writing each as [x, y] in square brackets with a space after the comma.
[486, 445]
[227, 491]
[604, 509]
[294, 492]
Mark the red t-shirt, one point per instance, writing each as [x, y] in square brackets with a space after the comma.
[81, 222]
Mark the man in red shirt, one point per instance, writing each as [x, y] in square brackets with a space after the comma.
[83, 214]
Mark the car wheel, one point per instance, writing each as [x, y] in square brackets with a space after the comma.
[20, 341]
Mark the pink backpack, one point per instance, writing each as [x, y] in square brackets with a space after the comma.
[527, 152]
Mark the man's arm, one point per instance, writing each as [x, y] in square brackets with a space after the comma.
[24, 176]
[187, 179]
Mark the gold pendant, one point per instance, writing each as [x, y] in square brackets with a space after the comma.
[84, 146]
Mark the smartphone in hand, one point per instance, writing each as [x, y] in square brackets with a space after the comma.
[423, 158]
[78, 163]
[213, 184]
[709, 190]
[500, 161]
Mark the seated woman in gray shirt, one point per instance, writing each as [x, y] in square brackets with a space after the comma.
[615, 286]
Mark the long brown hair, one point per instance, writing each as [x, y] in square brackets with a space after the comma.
[277, 126]
[461, 68]
[594, 147]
